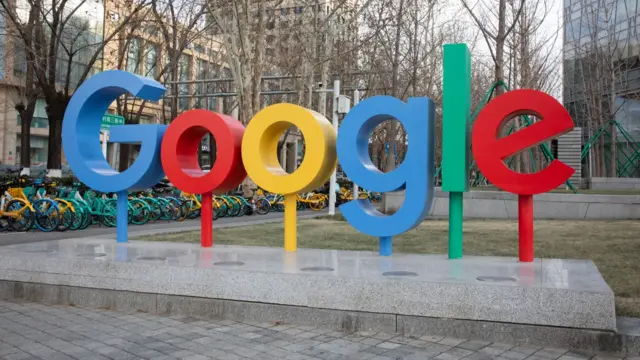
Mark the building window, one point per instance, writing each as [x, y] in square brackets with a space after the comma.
[38, 149]
[202, 69]
[36, 122]
[19, 59]
[146, 120]
[184, 70]
[133, 56]
[151, 60]
[151, 30]
[168, 74]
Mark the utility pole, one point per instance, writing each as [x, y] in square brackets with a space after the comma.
[334, 176]
[356, 100]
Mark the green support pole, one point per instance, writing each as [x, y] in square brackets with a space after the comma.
[456, 111]
[455, 225]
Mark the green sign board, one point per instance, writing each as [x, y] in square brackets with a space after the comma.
[111, 120]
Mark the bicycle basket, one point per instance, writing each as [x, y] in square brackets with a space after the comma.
[17, 193]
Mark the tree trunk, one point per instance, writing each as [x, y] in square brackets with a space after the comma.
[612, 129]
[258, 60]
[26, 116]
[55, 113]
[500, 39]
[613, 151]
[391, 127]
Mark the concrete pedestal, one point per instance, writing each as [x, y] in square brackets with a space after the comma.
[551, 292]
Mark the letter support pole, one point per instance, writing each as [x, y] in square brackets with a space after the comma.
[525, 227]
[122, 216]
[290, 226]
[206, 220]
[455, 224]
[386, 245]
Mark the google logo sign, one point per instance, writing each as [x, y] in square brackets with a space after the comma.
[252, 151]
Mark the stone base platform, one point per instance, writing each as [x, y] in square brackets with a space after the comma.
[549, 292]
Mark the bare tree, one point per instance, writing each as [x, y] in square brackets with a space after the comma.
[24, 92]
[154, 46]
[64, 43]
[533, 61]
[484, 15]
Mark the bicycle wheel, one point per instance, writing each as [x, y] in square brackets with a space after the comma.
[139, 212]
[24, 220]
[66, 215]
[262, 206]
[316, 204]
[168, 212]
[47, 214]
[215, 210]
[78, 215]
[194, 210]
[66, 220]
[4, 223]
[156, 208]
[235, 207]
[223, 208]
[108, 213]
[181, 209]
[87, 217]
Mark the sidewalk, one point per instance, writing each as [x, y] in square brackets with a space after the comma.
[36, 331]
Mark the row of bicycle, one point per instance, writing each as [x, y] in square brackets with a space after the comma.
[41, 204]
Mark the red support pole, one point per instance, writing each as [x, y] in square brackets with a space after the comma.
[206, 220]
[525, 227]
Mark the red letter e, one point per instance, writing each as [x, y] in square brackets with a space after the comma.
[490, 152]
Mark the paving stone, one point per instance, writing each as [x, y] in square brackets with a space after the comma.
[490, 350]
[473, 345]
[30, 331]
[513, 355]
[454, 354]
[525, 349]
[451, 341]
[569, 357]
[550, 353]
[388, 345]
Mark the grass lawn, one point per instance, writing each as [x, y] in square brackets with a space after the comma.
[614, 246]
[569, 191]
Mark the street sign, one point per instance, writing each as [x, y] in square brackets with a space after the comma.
[109, 120]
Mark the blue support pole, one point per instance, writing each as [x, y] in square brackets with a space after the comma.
[386, 245]
[122, 220]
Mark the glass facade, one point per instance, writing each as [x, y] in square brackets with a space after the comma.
[80, 39]
[601, 60]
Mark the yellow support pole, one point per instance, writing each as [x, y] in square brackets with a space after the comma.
[290, 226]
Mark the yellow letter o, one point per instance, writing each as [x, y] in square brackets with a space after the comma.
[260, 148]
